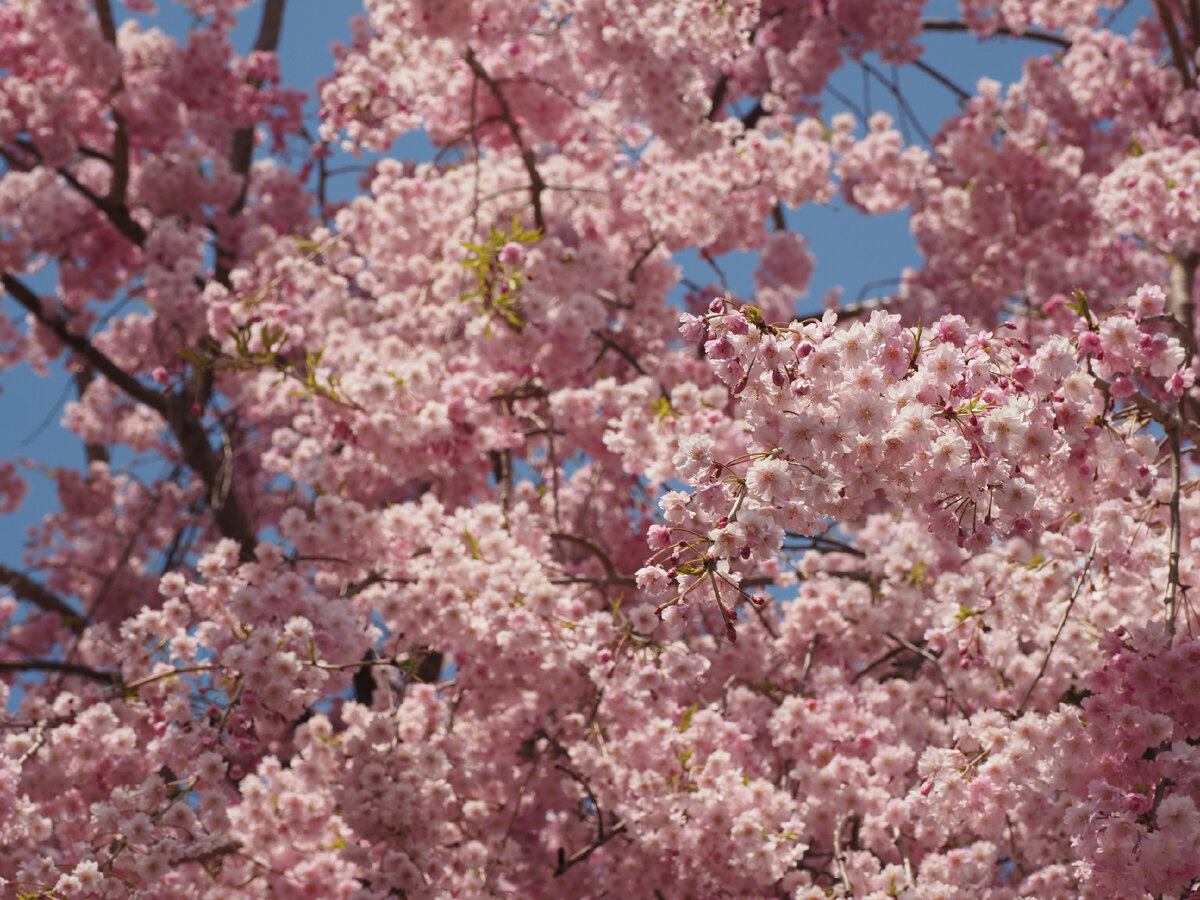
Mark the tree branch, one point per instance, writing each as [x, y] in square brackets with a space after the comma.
[536, 184]
[924, 653]
[52, 665]
[1059, 630]
[120, 149]
[117, 213]
[83, 378]
[84, 347]
[241, 151]
[1181, 282]
[1179, 54]
[609, 569]
[1003, 30]
[189, 432]
[937, 76]
[1171, 599]
[25, 588]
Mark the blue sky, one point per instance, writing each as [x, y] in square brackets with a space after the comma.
[852, 251]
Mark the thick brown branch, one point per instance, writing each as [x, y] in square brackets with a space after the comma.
[116, 213]
[176, 409]
[243, 139]
[65, 668]
[750, 119]
[120, 151]
[1179, 54]
[717, 98]
[25, 588]
[241, 151]
[202, 459]
[1180, 286]
[610, 344]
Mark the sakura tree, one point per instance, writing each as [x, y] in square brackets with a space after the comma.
[424, 548]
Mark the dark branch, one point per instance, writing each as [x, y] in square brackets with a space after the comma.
[176, 409]
[242, 150]
[937, 76]
[1003, 30]
[1179, 54]
[83, 378]
[66, 668]
[120, 149]
[25, 588]
[536, 184]
[565, 862]
[84, 347]
[717, 99]
[609, 569]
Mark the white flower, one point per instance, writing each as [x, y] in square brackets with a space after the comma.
[768, 479]
[653, 580]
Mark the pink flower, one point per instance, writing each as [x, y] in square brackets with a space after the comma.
[512, 254]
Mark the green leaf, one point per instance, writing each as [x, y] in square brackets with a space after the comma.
[755, 317]
[685, 719]
[662, 408]
[473, 544]
[1079, 304]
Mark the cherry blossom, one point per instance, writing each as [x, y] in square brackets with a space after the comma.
[428, 542]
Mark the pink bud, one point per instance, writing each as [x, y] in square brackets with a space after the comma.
[512, 254]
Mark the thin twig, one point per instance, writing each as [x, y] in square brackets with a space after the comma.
[565, 862]
[1171, 600]
[924, 653]
[839, 856]
[1062, 623]
[1003, 30]
[808, 661]
[898, 840]
[609, 569]
[943, 80]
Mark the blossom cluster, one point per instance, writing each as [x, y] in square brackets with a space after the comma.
[429, 546]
